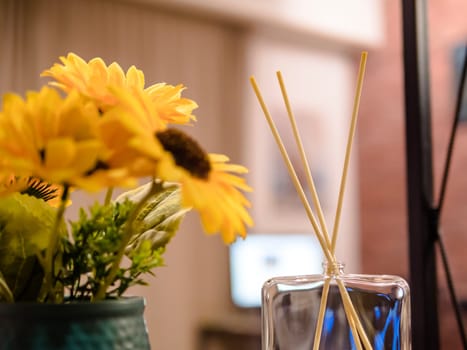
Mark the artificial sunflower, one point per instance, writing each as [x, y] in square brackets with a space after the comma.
[54, 139]
[95, 80]
[208, 183]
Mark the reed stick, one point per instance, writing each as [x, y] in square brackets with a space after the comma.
[322, 311]
[292, 172]
[346, 300]
[353, 123]
[309, 177]
[351, 319]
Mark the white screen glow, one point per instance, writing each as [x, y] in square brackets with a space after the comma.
[262, 256]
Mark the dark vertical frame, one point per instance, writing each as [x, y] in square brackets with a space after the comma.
[422, 217]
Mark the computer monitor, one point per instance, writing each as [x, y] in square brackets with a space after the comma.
[262, 256]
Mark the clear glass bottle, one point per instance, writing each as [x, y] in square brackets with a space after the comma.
[291, 305]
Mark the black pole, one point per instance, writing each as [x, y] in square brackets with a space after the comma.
[421, 215]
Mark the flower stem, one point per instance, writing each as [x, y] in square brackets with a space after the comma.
[5, 291]
[127, 234]
[108, 195]
[48, 261]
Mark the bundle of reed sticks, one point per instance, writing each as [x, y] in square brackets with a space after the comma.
[327, 242]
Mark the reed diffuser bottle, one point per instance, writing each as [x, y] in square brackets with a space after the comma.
[309, 312]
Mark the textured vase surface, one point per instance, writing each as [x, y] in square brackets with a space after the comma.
[104, 325]
[291, 305]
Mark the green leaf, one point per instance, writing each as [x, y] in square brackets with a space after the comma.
[25, 228]
[159, 220]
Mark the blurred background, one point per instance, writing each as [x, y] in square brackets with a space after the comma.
[213, 48]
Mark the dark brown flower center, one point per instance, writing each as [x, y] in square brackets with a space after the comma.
[187, 152]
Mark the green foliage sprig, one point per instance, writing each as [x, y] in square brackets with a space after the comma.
[92, 249]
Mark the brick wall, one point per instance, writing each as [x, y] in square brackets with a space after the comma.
[381, 147]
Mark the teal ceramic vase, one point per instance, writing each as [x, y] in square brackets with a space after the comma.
[105, 325]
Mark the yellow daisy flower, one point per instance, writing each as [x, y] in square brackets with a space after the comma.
[133, 127]
[208, 183]
[52, 138]
[94, 79]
